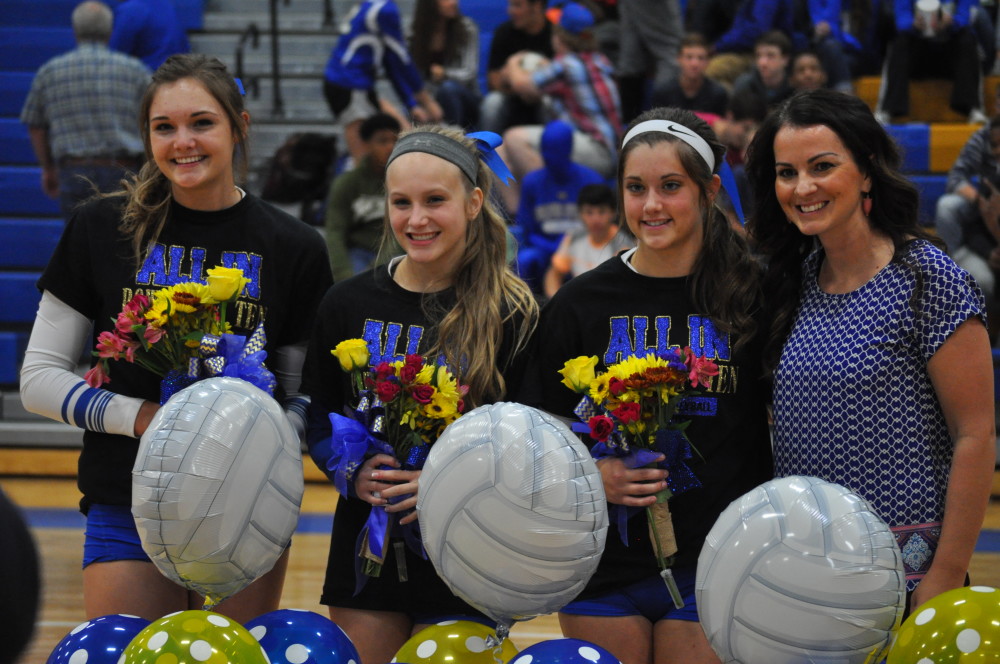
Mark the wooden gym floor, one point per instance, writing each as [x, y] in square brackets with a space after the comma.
[50, 507]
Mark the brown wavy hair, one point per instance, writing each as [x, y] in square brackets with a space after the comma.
[148, 193]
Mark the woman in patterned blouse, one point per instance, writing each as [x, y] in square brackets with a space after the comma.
[879, 348]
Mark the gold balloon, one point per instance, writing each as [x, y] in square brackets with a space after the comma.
[455, 642]
[961, 625]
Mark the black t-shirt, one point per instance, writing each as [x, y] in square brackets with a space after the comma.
[372, 306]
[508, 40]
[613, 312]
[710, 98]
[92, 270]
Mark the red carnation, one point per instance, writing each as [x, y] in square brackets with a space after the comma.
[628, 412]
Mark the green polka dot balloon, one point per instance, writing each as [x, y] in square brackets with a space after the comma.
[961, 625]
[194, 637]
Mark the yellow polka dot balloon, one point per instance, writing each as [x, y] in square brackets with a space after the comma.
[961, 625]
[194, 637]
[454, 641]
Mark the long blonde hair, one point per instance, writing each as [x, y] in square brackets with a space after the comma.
[148, 193]
[488, 295]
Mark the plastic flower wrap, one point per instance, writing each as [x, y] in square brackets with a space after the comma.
[403, 407]
[630, 411]
[181, 334]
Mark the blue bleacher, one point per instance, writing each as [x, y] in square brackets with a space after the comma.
[914, 140]
[58, 12]
[18, 297]
[12, 345]
[14, 86]
[15, 142]
[27, 244]
[931, 187]
[21, 193]
[27, 49]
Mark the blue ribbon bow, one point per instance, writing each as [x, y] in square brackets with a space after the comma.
[487, 143]
[236, 356]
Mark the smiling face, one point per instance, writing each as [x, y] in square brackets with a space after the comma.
[817, 181]
[663, 206]
[429, 212]
[192, 142]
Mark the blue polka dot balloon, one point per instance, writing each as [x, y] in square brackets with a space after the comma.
[98, 641]
[564, 651]
[295, 636]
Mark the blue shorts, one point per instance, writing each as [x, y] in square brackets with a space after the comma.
[648, 598]
[111, 535]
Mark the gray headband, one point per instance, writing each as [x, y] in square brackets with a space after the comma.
[441, 146]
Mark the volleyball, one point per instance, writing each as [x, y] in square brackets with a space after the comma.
[796, 570]
[216, 486]
[512, 511]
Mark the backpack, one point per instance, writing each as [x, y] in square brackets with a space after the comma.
[300, 169]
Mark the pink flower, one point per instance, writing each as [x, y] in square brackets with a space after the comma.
[97, 376]
[153, 334]
[110, 345]
[627, 412]
[137, 306]
[422, 393]
[601, 427]
[700, 369]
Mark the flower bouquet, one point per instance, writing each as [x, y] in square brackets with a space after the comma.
[181, 334]
[403, 407]
[630, 411]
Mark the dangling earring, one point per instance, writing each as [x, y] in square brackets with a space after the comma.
[866, 202]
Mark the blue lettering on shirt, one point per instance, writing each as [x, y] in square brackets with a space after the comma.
[382, 339]
[705, 340]
[629, 338]
[165, 266]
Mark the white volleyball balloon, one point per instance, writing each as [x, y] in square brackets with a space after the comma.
[799, 569]
[216, 486]
[512, 511]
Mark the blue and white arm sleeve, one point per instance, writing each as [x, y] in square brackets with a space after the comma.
[287, 367]
[49, 385]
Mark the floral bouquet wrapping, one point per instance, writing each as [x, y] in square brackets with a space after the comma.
[403, 407]
[181, 335]
[629, 410]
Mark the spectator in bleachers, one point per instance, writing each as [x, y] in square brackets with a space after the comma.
[870, 25]
[445, 49]
[356, 205]
[651, 39]
[80, 112]
[820, 21]
[692, 89]
[148, 30]
[374, 41]
[547, 209]
[928, 44]
[807, 72]
[593, 241]
[734, 49]
[768, 79]
[967, 214]
[527, 31]
[579, 84]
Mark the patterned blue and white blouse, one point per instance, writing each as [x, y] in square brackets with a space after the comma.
[853, 402]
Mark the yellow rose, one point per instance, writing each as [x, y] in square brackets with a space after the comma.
[226, 283]
[578, 373]
[352, 354]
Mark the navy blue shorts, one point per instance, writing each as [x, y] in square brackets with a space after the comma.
[648, 598]
[111, 535]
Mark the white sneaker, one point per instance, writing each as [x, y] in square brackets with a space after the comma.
[882, 117]
[976, 116]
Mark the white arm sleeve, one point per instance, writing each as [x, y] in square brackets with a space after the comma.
[287, 366]
[49, 385]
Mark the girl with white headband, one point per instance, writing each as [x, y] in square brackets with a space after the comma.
[690, 282]
[451, 295]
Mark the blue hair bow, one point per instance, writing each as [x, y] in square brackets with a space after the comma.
[487, 143]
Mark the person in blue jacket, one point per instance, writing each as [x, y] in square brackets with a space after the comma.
[734, 48]
[547, 209]
[374, 39]
[148, 30]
